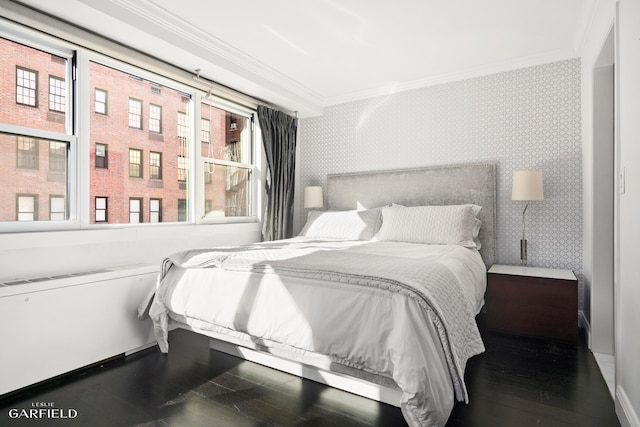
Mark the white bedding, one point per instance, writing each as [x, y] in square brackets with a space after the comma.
[400, 310]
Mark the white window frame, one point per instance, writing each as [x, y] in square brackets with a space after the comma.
[253, 167]
[31, 38]
[79, 106]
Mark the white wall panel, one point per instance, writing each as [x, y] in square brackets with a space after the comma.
[53, 327]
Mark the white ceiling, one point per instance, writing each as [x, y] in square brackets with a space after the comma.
[304, 55]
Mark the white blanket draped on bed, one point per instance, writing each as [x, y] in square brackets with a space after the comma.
[364, 305]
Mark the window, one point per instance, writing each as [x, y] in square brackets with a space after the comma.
[57, 208]
[183, 141]
[155, 118]
[35, 144]
[57, 94]
[43, 159]
[205, 131]
[228, 163]
[135, 210]
[155, 165]
[155, 210]
[128, 146]
[27, 157]
[135, 163]
[102, 156]
[100, 105]
[101, 209]
[57, 156]
[182, 210]
[26, 87]
[27, 207]
[135, 113]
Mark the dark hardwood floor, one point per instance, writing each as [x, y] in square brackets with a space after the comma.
[516, 382]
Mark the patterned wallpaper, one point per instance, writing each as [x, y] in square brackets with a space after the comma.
[523, 119]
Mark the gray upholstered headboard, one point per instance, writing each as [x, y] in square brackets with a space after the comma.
[442, 185]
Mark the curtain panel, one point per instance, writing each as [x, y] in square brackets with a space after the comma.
[279, 142]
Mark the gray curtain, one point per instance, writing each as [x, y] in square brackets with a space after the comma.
[279, 141]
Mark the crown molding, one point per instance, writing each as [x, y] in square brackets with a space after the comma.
[147, 28]
[158, 22]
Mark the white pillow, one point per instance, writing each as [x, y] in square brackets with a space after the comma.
[347, 225]
[436, 225]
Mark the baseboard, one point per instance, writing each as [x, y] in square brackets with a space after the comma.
[583, 322]
[142, 347]
[625, 411]
[607, 365]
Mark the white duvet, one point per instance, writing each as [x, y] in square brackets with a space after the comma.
[401, 310]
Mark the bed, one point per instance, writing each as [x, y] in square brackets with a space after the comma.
[377, 296]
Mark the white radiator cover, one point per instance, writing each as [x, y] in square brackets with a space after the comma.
[53, 326]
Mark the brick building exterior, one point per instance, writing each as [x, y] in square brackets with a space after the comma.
[139, 145]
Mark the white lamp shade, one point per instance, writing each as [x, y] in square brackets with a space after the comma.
[527, 185]
[313, 197]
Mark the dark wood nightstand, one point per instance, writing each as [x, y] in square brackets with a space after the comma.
[534, 302]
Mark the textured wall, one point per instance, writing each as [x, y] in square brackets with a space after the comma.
[522, 119]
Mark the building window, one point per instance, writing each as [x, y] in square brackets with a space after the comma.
[27, 207]
[205, 131]
[155, 210]
[100, 105]
[57, 208]
[155, 118]
[26, 87]
[135, 163]
[102, 156]
[57, 94]
[135, 210]
[183, 141]
[101, 209]
[155, 165]
[135, 113]
[182, 210]
[182, 168]
[57, 156]
[27, 156]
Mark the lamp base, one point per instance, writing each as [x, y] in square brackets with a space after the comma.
[523, 251]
